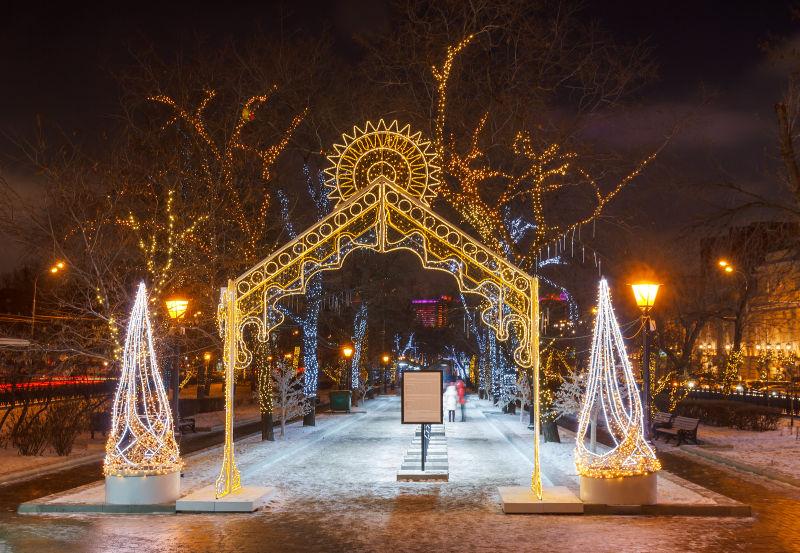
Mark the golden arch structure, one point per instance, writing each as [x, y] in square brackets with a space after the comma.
[383, 178]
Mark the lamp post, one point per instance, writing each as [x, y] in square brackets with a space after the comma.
[385, 360]
[176, 305]
[645, 294]
[55, 269]
[734, 357]
[201, 382]
[347, 353]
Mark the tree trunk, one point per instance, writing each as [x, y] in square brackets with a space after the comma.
[550, 432]
[283, 422]
[593, 432]
[266, 427]
[310, 418]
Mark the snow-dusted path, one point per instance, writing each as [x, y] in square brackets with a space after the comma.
[337, 492]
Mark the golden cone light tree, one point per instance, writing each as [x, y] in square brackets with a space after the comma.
[612, 394]
[141, 441]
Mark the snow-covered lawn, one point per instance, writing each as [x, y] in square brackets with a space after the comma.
[14, 465]
[775, 450]
[216, 419]
[85, 447]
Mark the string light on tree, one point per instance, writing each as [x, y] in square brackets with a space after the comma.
[141, 441]
[546, 169]
[611, 389]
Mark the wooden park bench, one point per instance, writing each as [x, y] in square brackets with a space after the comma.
[660, 420]
[186, 424]
[682, 428]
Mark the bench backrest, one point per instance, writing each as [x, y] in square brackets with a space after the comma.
[685, 423]
[661, 416]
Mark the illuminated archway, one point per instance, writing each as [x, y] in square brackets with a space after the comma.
[384, 178]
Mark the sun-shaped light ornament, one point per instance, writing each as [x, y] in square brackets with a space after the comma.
[381, 150]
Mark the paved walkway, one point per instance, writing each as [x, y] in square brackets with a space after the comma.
[337, 492]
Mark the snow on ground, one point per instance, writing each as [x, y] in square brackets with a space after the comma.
[558, 462]
[216, 419]
[12, 463]
[775, 450]
[337, 491]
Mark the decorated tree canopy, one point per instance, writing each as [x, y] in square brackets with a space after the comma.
[141, 441]
[612, 394]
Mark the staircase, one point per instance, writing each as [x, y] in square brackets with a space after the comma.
[436, 464]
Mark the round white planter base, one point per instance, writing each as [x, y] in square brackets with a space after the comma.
[143, 490]
[628, 490]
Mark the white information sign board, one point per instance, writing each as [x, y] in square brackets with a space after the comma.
[422, 397]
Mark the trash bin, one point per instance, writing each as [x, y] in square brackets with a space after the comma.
[341, 400]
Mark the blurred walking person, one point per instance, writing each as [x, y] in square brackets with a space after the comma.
[461, 388]
[450, 401]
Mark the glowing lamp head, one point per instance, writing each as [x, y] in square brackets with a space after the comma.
[347, 351]
[645, 294]
[207, 356]
[385, 358]
[177, 307]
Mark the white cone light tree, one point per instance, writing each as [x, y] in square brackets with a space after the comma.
[142, 464]
[625, 473]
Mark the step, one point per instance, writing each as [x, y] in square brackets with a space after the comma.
[418, 453]
[423, 476]
[431, 451]
[417, 466]
[427, 459]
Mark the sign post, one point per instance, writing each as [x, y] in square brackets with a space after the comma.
[422, 404]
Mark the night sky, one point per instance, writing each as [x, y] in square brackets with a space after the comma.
[59, 65]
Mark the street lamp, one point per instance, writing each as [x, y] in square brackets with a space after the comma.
[385, 359]
[645, 294]
[57, 267]
[177, 305]
[347, 351]
[202, 387]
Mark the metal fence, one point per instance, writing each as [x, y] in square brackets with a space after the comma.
[785, 402]
[39, 392]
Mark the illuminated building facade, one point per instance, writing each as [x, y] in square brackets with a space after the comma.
[432, 313]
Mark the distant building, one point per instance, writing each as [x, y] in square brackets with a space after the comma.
[771, 333]
[432, 313]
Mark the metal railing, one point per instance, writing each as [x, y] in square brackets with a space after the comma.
[425, 438]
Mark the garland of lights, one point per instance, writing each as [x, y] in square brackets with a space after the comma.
[309, 323]
[612, 390]
[141, 441]
[360, 329]
[381, 215]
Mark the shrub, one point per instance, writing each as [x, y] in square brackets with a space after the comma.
[730, 413]
[65, 420]
[30, 437]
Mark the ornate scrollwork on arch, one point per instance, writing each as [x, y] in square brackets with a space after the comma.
[379, 214]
